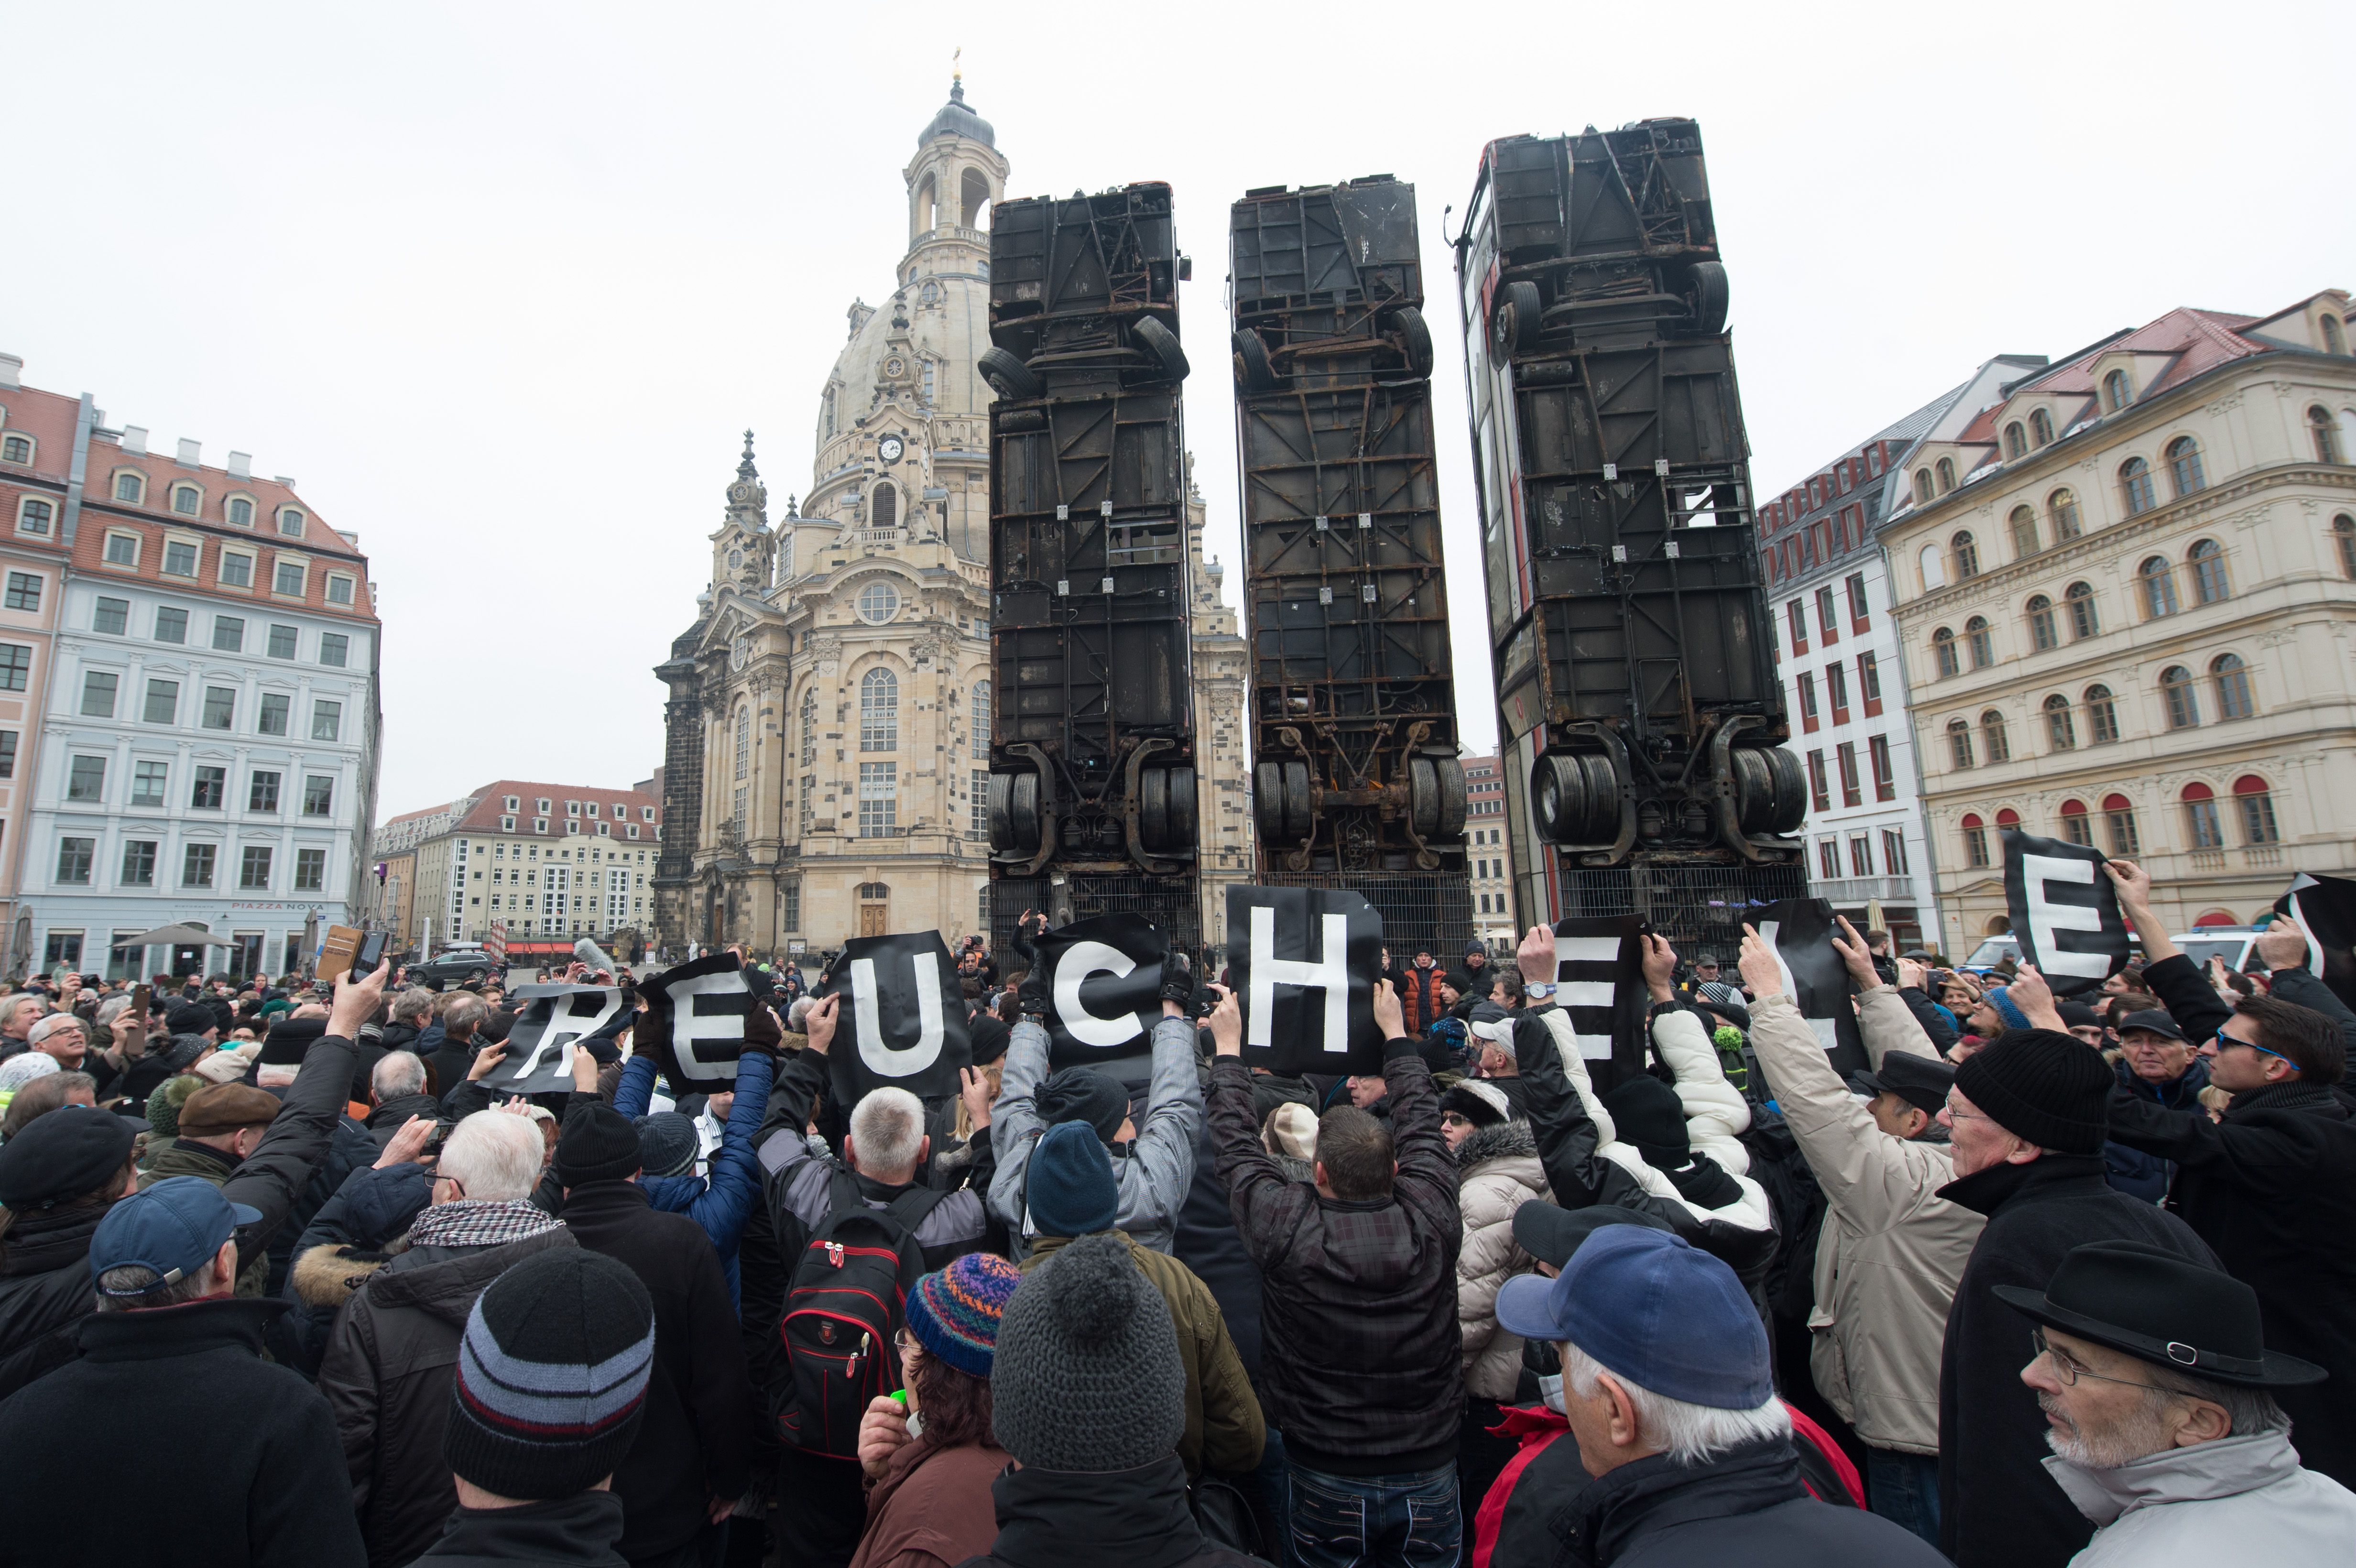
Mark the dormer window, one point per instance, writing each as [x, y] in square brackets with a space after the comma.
[240, 511]
[290, 523]
[2117, 391]
[2015, 440]
[131, 488]
[2040, 428]
[187, 499]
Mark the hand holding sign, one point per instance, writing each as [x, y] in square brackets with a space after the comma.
[1305, 967]
[556, 1022]
[2064, 909]
[1763, 971]
[2323, 910]
[1103, 981]
[899, 995]
[1798, 933]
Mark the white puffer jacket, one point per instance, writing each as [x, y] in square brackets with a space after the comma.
[1497, 1172]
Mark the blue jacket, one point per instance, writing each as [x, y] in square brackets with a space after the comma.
[723, 1202]
[2132, 1171]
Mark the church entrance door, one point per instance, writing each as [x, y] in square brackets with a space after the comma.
[874, 920]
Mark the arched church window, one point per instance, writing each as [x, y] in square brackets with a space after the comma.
[744, 740]
[929, 295]
[809, 726]
[973, 192]
[878, 712]
[884, 509]
[981, 713]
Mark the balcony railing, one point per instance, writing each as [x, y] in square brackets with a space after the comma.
[1858, 890]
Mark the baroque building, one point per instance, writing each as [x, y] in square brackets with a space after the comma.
[827, 728]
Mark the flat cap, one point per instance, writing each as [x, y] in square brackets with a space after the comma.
[225, 1107]
[65, 1154]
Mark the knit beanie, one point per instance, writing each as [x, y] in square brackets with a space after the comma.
[955, 1314]
[1069, 1183]
[289, 1039]
[1291, 1129]
[163, 1104]
[598, 1143]
[1084, 1094]
[2006, 1008]
[1086, 1377]
[2039, 1084]
[552, 1376]
[667, 1143]
[24, 1067]
[189, 1018]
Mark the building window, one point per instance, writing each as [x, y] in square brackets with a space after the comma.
[7, 753]
[1975, 846]
[253, 867]
[2203, 827]
[179, 558]
[171, 626]
[334, 649]
[34, 516]
[1869, 683]
[2184, 465]
[2024, 532]
[2232, 677]
[262, 795]
[2118, 817]
[138, 863]
[1968, 555]
[163, 702]
[2060, 732]
[884, 509]
[197, 865]
[86, 780]
[2334, 340]
[290, 523]
[122, 550]
[1946, 469]
[220, 707]
[1943, 650]
[1923, 490]
[326, 720]
[878, 712]
[976, 823]
[2343, 540]
[2327, 435]
[2076, 826]
[2207, 561]
[131, 487]
[879, 789]
[2116, 393]
[236, 569]
[283, 641]
[809, 726]
[147, 781]
[1819, 793]
[2257, 805]
[1885, 774]
[273, 721]
[187, 500]
[1845, 762]
[1796, 615]
[1860, 615]
[15, 667]
[744, 740]
[1959, 743]
[2102, 716]
[340, 588]
[111, 615]
[211, 785]
[1826, 620]
[1893, 852]
[1983, 643]
[2159, 587]
[74, 856]
[23, 590]
[2015, 440]
[229, 634]
[310, 871]
[2042, 633]
[2084, 622]
[287, 579]
[1829, 859]
[1807, 691]
[97, 689]
[239, 512]
[2062, 507]
[1837, 689]
[2040, 428]
[2135, 486]
[980, 715]
[1993, 736]
[17, 449]
[2175, 691]
[878, 602]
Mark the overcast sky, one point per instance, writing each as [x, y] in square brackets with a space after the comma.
[500, 284]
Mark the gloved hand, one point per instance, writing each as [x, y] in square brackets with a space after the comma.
[1031, 994]
[1177, 978]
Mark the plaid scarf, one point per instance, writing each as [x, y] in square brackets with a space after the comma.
[480, 1222]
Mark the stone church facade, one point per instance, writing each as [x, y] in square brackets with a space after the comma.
[827, 728]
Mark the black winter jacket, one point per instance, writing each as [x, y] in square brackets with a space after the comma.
[2273, 1189]
[1745, 1506]
[1206, 1241]
[387, 1373]
[258, 1487]
[345, 1238]
[692, 1443]
[578, 1530]
[1361, 1364]
[44, 1290]
[1997, 1505]
[1129, 1518]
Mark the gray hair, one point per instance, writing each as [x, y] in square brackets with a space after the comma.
[111, 1009]
[412, 1005]
[56, 1023]
[1689, 1433]
[465, 1014]
[2251, 1410]
[887, 1128]
[400, 1073]
[494, 1154]
[797, 1015]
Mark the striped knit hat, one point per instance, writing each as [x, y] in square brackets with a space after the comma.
[954, 1314]
[552, 1376]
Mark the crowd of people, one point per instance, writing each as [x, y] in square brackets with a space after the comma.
[283, 1279]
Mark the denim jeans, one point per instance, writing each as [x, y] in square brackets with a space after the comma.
[1375, 1522]
[1904, 1490]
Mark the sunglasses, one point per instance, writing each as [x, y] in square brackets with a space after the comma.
[2224, 1040]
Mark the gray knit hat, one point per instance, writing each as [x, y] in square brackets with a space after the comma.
[1087, 1376]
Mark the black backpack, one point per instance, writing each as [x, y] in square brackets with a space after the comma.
[844, 1311]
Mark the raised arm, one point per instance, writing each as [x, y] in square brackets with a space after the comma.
[1014, 1120]
[1266, 1205]
[1164, 1153]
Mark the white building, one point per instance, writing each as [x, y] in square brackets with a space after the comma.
[1837, 653]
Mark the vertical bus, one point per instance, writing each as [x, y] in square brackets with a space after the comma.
[1640, 721]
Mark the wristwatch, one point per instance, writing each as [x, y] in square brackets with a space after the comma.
[1537, 990]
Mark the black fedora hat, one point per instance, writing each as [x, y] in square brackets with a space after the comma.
[1920, 1080]
[2160, 1309]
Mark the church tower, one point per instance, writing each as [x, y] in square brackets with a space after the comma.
[745, 550]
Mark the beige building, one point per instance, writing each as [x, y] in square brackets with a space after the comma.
[550, 862]
[826, 756]
[1489, 853]
[2126, 592]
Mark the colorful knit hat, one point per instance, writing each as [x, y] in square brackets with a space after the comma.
[954, 1314]
[165, 1102]
[552, 1376]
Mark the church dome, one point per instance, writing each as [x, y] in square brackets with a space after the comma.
[955, 120]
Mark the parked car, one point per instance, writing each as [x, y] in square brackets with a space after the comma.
[457, 967]
[2236, 945]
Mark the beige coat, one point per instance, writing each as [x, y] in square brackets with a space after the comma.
[1497, 1173]
[1891, 1251]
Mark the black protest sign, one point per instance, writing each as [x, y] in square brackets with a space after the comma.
[1103, 978]
[694, 1023]
[1304, 962]
[1801, 931]
[902, 1022]
[1599, 975]
[2064, 910]
[539, 1046]
[2325, 908]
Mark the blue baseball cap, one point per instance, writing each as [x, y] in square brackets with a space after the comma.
[173, 1228]
[1654, 1310]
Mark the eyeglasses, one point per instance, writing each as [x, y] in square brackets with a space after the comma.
[2069, 1369]
[1955, 1115]
[1454, 1119]
[2225, 1040]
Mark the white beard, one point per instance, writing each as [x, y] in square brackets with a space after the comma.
[2138, 1436]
